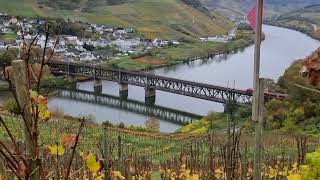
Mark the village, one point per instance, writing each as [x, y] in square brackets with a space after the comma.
[106, 42]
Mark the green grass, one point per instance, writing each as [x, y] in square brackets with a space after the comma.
[125, 62]
[9, 36]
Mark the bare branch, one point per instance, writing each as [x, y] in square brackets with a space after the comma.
[74, 148]
[43, 60]
[10, 135]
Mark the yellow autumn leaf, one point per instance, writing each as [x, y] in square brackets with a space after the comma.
[195, 177]
[218, 171]
[82, 154]
[100, 177]
[294, 177]
[295, 165]
[54, 150]
[92, 163]
[118, 174]
[45, 116]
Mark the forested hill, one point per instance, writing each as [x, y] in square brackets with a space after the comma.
[172, 19]
[306, 20]
[241, 7]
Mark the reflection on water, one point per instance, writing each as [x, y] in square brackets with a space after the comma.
[68, 102]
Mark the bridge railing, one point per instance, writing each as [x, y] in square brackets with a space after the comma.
[182, 87]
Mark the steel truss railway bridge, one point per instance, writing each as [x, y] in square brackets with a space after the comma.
[164, 113]
[151, 83]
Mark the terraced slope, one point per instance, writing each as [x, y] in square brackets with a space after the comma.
[172, 19]
[306, 20]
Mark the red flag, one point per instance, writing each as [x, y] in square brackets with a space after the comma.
[252, 18]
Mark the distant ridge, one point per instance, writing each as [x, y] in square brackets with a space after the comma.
[241, 7]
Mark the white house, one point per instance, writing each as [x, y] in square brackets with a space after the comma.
[79, 43]
[6, 30]
[80, 48]
[119, 33]
[126, 45]
[86, 57]
[175, 42]
[28, 37]
[19, 33]
[62, 42]
[6, 24]
[13, 20]
[159, 42]
[109, 29]
[70, 54]
[71, 39]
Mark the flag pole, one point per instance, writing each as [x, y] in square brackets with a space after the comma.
[257, 104]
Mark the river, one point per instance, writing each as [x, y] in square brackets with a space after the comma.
[280, 48]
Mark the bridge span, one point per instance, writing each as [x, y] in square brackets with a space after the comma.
[164, 113]
[151, 83]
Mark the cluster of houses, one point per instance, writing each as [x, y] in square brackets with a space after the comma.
[121, 41]
[221, 38]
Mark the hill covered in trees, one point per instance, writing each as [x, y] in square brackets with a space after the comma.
[306, 20]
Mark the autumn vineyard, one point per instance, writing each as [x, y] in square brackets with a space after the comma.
[36, 143]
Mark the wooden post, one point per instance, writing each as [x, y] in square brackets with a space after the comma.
[23, 96]
[258, 133]
[256, 104]
[256, 74]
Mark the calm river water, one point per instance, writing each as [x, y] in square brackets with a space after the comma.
[280, 48]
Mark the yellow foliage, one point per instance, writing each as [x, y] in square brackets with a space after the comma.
[294, 177]
[41, 104]
[56, 150]
[116, 174]
[92, 164]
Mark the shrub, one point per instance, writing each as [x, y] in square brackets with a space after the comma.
[107, 124]
[11, 105]
[121, 125]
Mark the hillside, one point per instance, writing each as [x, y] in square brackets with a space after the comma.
[306, 20]
[170, 19]
[241, 7]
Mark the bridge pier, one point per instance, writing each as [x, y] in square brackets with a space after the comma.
[150, 95]
[71, 78]
[72, 82]
[97, 86]
[123, 90]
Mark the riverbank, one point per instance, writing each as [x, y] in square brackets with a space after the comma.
[188, 51]
[278, 54]
[303, 27]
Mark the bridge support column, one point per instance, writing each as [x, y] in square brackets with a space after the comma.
[97, 86]
[150, 95]
[71, 78]
[72, 82]
[123, 90]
